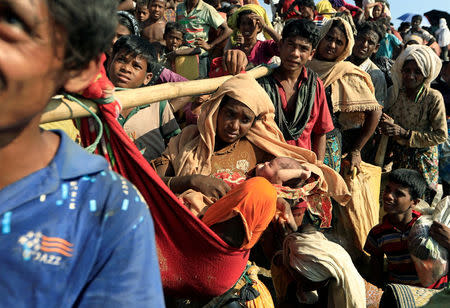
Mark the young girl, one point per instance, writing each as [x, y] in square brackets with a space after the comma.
[247, 22]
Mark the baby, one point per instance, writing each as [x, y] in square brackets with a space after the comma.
[283, 171]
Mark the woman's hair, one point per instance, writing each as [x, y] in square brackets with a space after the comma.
[410, 179]
[303, 28]
[89, 28]
[128, 20]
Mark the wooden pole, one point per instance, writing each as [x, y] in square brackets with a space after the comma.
[60, 108]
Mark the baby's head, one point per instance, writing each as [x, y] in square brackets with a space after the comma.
[271, 171]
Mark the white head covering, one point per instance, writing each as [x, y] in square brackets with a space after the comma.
[318, 259]
[443, 33]
[427, 61]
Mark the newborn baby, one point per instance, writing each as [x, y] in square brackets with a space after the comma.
[283, 171]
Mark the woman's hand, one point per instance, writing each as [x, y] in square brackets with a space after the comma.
[389, 128]
[209, 186]
[441, 234]
[393, 130]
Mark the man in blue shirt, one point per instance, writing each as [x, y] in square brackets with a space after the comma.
[72, 232]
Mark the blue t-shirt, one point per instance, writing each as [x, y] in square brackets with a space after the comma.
[76, 234]
[387, 46]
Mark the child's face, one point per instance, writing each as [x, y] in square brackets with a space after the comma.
[156, 9]
[248, 27]
[174, 39]
[307, 12]
[141, 13]
[128, 71]
[268, 169]
[121, 30]
[396, 199]
[376, 12]
[28, 33]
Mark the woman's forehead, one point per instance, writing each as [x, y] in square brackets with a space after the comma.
[230, 103]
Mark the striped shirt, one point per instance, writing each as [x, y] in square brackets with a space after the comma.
[388, 239]
[198, 22]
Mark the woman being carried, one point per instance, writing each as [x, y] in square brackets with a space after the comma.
[350, 94]
[415, 113]
[235, 132]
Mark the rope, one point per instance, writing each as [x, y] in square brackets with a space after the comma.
[91, 148]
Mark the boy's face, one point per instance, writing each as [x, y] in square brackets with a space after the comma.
[366, 44]
[31, 61]
[141, 13]
[128, 71]
[396, 199]
[295, 52]
[174, 39]
[156, 9]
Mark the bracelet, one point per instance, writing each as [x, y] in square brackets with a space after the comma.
[356, 151]
[168, 182]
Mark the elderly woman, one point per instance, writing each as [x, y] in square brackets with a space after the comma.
[350, 94]
[415, 113]
[235, 131]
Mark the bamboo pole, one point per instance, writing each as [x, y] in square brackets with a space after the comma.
[60, 108]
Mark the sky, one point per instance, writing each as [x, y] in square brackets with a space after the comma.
[400, 7]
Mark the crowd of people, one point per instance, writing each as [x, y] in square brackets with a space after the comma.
[264, 164]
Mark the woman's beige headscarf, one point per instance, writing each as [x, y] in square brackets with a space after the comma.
[427, 61]
[351, 87]
[316, 258]
[190, 152]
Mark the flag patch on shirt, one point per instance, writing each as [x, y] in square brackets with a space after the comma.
[44, 249]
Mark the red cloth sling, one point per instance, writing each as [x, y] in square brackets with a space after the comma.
[194, 261]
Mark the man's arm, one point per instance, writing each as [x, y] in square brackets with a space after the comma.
[224, 34]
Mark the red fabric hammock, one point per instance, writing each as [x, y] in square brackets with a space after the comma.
[194, 261]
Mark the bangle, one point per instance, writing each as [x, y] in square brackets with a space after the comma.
[168, 182]
[356, 151]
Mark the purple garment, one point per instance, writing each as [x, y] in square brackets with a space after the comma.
[262, 52]
[169, 76]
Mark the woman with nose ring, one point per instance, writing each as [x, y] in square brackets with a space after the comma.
[415, 113]
[350, 95]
